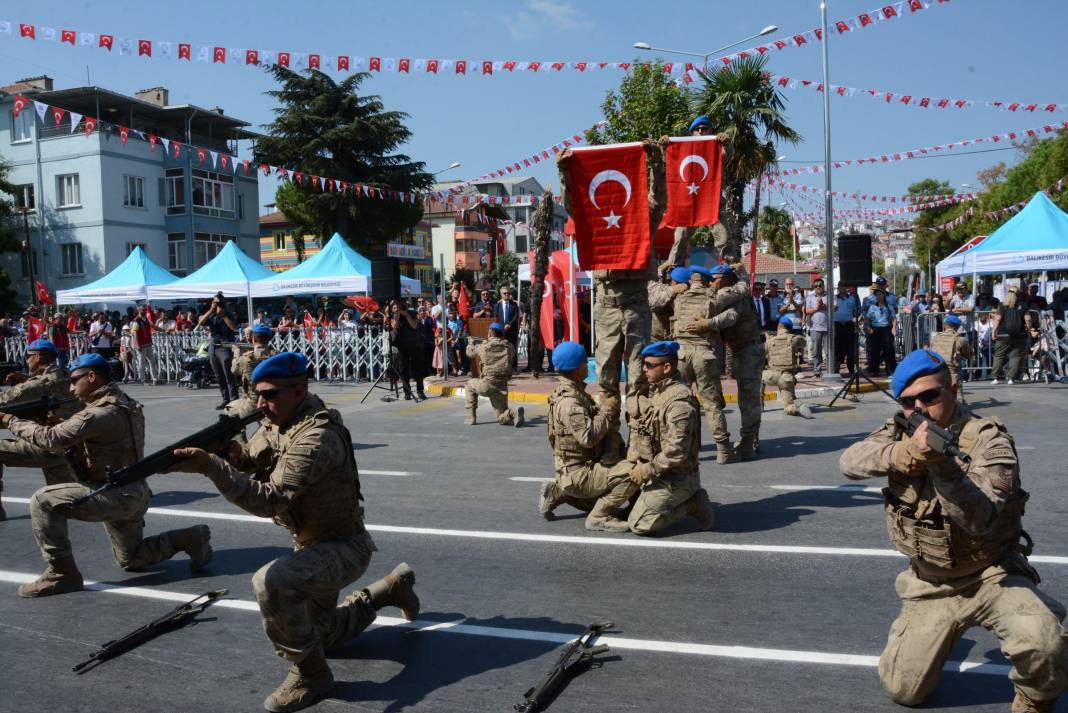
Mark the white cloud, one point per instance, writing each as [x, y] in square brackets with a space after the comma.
[545, 14]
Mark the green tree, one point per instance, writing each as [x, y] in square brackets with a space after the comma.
[504, 272]
[326, 128]
[930, 245]
[774, 227]
[742, 103]
[10, 230]
[647, 105]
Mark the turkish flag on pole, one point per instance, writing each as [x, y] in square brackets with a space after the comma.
[35, 329]
[464, 304]
[42, 293]
[610, 205]
[693, 166]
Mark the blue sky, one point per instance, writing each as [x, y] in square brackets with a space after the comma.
[973, 49]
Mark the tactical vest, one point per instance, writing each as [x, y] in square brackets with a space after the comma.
[693, 305]
[945, 344]
[781, 352]
[746, 330]
[496, 360]
[249, 362]
[660, 399]
[566, 448]
[937, 547]
[125, 446]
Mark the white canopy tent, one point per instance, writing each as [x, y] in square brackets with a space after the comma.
[129, 282]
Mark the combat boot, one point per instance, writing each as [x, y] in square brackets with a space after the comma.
[700, 508]
[195, 541]
[61, 577]
[791, 410]
[548, 500]
[725, 453]
[471, 419]
[396, 589]
[603, 518]
[520, 417]
[1022, 704]
[745, 448]
[306, 684]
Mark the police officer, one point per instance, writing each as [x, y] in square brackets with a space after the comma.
[669, 431]
[299, 470]
[46, 379]
[786, 352]
[245, 364]
[587, 450]
[952, 346]
[497, 355]
[960, 525]
[108, 433]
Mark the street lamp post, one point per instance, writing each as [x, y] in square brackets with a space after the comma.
[444, 315]
[828, 205]
[705, 55]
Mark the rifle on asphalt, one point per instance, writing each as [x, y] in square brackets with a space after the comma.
[577, 652]
[38, 408]
[212, 439]
[172, 620]
[938, 439]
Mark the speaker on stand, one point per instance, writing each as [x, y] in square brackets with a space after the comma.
[385, 278]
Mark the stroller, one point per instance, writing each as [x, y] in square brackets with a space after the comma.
[196, 368]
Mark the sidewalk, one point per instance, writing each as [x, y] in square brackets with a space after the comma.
[524, 388]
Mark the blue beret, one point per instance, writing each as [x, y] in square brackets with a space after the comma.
[568, 356]
[700, 121]
[91, 360]
[681, 274]
[721, 269]
[497, 325]
[263, 330]
[787, 321]
[921, 362]
[287, 365]
[42, 345]
[661, 349]
[701, 270]
[953, 319]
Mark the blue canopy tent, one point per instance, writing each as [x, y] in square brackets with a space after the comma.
[1035, 239]
[128, 282]
[231, 272]
[335, 269]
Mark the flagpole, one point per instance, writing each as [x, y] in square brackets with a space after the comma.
[828, 204]
[572, 313]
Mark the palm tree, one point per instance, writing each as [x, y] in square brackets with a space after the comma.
[775, 227]
[742, 103]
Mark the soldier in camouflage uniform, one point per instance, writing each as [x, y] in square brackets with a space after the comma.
[496, 355]
[668, 437]
[109, 433]
[952, 346]
[960, 525]
[243, 367]
[786, 351]
[46, 378]
[299, 470]
[589, 472]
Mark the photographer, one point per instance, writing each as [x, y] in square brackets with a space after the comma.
[409, 345]
[221, 324]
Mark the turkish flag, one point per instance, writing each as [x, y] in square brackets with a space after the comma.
[42, 293]
[610, 206]
[35, 329]
[693, 166]
[464, 304]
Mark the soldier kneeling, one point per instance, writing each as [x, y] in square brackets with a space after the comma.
[786, 351]
[496, 355]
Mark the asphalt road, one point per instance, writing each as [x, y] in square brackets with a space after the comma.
[784, 607]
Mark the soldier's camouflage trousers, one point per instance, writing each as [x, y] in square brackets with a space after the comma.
[785, 382]
[748, 368]
[595, 481]
[497, 393]
[122, 512]
[622, 332]
[927, 630]
[661, 503]
[698, 365]
[298, 594]
[22, 454]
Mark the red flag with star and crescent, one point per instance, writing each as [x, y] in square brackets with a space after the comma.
[693, 167]
[610, 206]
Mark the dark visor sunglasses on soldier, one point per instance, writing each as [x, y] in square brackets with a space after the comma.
[652, 364]
[930, 396]
[271, 394]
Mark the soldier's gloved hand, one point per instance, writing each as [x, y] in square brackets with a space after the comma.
[15, 377]
[642, 474]
[194, 460]
[700, 325]
[611, 406]
[5, 419]
[679, 287]
[919, 449]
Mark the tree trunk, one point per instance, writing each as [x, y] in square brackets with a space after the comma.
[732, 218]
[542, 221]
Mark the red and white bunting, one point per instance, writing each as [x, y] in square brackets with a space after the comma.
[856, 195]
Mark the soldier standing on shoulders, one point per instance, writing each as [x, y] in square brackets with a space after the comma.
[243, 367]
[786, 352]
[109, 433]
[46, 378]
[952, 346]
[670, 431]
[497, 355]
[589, 473]
[299, 470]
[960, 525]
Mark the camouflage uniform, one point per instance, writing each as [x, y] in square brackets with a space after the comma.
[953, 348]
[52, 381]
[739, 326]
[960, 525]
[785, 354]
[697, 356]
[109, 433]
[587, 452]
[303, 475]
[661, 299]
[669, 439]
[623, 320]
[496, 355]
[242, 368]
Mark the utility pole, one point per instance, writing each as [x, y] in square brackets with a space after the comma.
[27, 252]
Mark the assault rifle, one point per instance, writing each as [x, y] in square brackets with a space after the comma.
[172, 620]
[212, 439]
[938, 439]
[577, 652]
[35, 409]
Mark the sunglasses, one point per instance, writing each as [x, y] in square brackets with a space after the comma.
[652, 364]
[928, 397]
[79, 377]
[271, 394]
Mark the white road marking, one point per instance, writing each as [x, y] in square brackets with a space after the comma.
[837, 488]
[614, 642]
[397, 473]
[606, 541]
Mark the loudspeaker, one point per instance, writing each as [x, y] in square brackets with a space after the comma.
[854, 260]
[385, 277]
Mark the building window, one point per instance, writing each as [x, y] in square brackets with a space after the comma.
[72, 259]
[520, 243]
[279, 242]
[130, 247]
[240, 207]
[175, 187]
[25, 197]
[21, 126]
[133, 191]
[176, 252]
[208, 245]
[68, 191]
[213, 194]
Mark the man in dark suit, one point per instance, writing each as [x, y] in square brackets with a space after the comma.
[506, 311]
[768, 323]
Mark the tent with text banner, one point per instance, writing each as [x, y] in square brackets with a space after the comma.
[335, 269]
[1033, 240]
[129, 282]
[230, 272]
